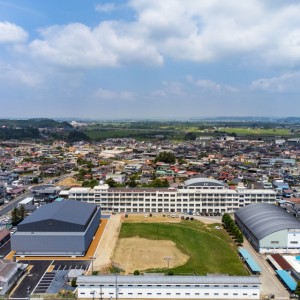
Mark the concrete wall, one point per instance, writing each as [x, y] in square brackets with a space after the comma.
[39, 243]
[275, 240]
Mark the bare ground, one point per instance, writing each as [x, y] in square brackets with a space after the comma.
[107, 244]
[159, 218]
[69, 182]
[156, 218]
[142, 254]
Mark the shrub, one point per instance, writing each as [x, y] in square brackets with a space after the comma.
[73, 282]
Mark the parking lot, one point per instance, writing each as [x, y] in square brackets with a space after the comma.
[31, 279]
[46, 277]
[68, 265]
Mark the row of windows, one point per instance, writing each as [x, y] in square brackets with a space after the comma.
[169, 195]
[178, 294]
[169, 285]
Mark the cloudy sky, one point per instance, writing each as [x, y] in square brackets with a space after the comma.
[149, 58]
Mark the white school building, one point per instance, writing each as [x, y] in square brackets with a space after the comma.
[197, 195]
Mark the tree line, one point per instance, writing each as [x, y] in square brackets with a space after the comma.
[231, 227]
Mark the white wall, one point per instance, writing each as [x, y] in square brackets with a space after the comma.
[211, 292]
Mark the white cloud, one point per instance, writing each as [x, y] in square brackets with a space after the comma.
[11, 33]
[104, 94]
[209, 85]
[106, 7]
[73, 45]
[258, 32]
[169, 89]
[289, 82]
[231, 89]
[109, 44]
[209, 30]
[11, 74]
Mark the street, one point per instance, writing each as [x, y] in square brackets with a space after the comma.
[270, 283]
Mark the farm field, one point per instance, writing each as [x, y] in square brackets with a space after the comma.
[201, 248]
[254, 131]
[176, 131]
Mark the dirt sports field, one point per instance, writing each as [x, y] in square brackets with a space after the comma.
[142, 254]
[127, 252]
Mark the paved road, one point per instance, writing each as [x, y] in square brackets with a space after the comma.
[6, 208]
[270, 283]
[5, 249]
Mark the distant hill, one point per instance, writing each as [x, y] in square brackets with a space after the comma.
[36, 123]
[250, 119]
[290, 120]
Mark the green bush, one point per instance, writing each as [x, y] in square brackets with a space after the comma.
[73, 282]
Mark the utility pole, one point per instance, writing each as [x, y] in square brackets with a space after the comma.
[117, 286]
[92, 260]
[101, 293]
[167, 259]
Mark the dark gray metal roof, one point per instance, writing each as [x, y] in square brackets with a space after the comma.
[68, 211]
[263, 219]
[151, 279]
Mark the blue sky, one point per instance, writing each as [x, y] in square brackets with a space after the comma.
[149, 59]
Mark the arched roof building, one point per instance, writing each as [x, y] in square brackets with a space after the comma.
[203, 182]
[269, 228]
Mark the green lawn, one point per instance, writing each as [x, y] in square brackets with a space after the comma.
[210, 250]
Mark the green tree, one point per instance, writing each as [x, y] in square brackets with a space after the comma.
[21, 212]
[14, 217]
[225, 218]
[158, 183]
[132, 182]
[166, 157]
[297, 291]
[73, 282]
[77, 136]
[35, 180]
[182, 161]
[18, 215]
[111, 182]
[136, 272]
[90, 183]
[240, 238]
[190, 136]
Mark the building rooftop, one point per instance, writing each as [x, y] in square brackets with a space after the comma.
[199, 181]
[150, 279]
[7, 269]
[263, 219]
[69, 211]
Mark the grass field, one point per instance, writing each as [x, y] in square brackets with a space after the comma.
[210, 250]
